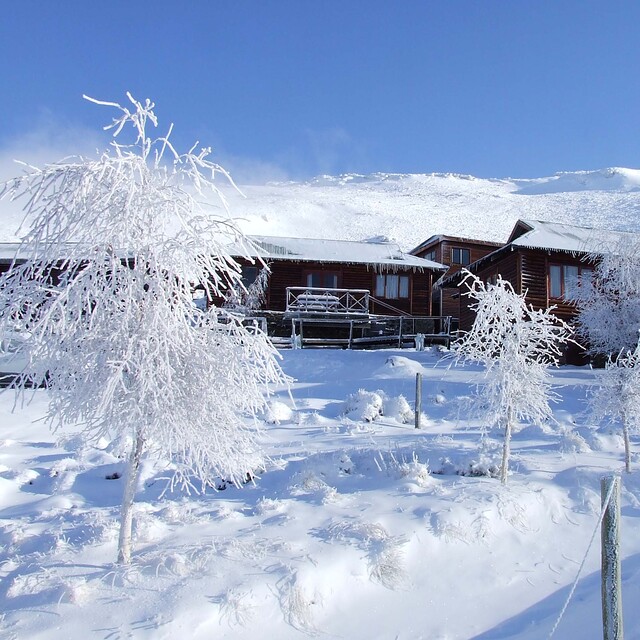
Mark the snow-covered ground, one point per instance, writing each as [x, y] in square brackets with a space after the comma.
[361, 527]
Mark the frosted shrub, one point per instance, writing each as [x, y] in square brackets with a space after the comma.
[363, 405]
[516, 344]
[398, 408]
[114, 249]
[277, 412]
[368, 406]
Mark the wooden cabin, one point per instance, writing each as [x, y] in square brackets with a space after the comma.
[335, 281]
[456, 254]
[540, 260]
[398, 283]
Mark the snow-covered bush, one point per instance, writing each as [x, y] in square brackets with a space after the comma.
[609, 303]
[277, 412]
[363, 405]
[516, 344]
[368, 406]
[398, 408]
[479, 463]
[115, 247]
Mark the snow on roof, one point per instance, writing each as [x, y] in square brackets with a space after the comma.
[316, 250]
[8, 251]
[300, 249]
[549, 236]
[564, 237]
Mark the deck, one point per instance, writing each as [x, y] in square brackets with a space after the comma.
[323, 317]
[376, 331]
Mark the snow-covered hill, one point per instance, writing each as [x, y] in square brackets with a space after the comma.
[411, 207]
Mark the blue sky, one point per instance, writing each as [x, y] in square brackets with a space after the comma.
[294, 88]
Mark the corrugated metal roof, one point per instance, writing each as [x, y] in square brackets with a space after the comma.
[564, 237]
[316, 250]
[388, 254]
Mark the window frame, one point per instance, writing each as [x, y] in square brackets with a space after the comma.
[563, 268]
[432, 255]
[249, 274]
[309, 274]
[392, 283]
[463, 251]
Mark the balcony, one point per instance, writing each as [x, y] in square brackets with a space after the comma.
[327, 302]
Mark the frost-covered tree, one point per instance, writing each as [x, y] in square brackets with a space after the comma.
[516, 344]
[114, 248]
[609, 303]
[618, 396]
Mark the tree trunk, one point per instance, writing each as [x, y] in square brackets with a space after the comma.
[627, 445]
[506, 447]
[129, 492]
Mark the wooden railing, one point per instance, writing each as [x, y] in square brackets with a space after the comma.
[327, 301]
[397, 331]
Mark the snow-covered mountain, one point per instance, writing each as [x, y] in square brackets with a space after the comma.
[411, 207]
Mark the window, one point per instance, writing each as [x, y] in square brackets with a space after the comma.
[492, 279]
[563, 277]
[322, 279]
[431, 255]
[249, 275]
[460, 256]
[392, 286]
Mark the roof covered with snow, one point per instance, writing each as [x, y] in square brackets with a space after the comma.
[374, 253]
[8, 251]
[538, 234]
[549, 236]
[313, 250]
[434, 240]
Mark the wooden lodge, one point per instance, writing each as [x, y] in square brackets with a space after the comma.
[344, 293]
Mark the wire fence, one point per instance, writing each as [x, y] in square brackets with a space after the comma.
[605, 506]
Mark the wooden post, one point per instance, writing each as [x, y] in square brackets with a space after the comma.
[400, 334]
[350, 334]
[418, 399]
[612, 625]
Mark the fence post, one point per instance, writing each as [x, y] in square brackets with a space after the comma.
[418, 400]
[612, 624]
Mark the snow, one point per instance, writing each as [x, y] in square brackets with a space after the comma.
[357, 529]
[612, 179]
